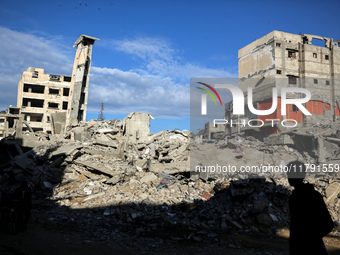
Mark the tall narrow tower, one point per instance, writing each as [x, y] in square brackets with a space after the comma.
[76, 110]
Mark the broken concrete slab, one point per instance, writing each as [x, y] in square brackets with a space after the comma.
[148, 178]
[332, 192]
[107, 143]
[98, 167]
[65, 150]
[106, 130]
[278, 139]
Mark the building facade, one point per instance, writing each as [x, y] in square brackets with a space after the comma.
[41, 96]
[281, 59]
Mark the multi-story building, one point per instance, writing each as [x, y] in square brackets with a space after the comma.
[41, 95]
[281, 59]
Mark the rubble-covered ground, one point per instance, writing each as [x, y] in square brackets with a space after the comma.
[94, 190]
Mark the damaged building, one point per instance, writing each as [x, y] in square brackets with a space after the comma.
[114, 180]
[213, 131]
[281, 59]
[51, 102]
[10, 120]
[40, 95]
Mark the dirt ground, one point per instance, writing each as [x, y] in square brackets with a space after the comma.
[44, 236]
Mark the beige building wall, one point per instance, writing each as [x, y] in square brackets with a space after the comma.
[40, 95]
[137, 126]
[283, 59]
[210, 130]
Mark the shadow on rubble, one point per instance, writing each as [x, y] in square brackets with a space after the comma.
[161, 213]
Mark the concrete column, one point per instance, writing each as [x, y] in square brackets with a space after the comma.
[76, 110]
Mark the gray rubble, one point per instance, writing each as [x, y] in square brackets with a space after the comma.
[145, 185]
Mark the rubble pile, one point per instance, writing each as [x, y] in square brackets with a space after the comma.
[95, 150]
[145, 186]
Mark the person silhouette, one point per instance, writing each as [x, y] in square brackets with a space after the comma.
[310, 220]
[23, 197]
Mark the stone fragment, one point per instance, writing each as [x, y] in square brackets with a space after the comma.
[148, 178]
[332, 192]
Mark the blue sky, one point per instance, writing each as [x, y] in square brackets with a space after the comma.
[148, 50]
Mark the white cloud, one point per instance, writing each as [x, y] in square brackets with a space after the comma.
[19, 51]
[160, 59]
[149, 49]
[124, 92]
[160, 86]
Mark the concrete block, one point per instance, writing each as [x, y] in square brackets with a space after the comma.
[148, 178]
[322, 153]
[332, 192]
[65, 151]
[98, 168]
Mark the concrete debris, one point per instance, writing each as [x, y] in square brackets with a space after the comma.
[143, 183]
[332, 192]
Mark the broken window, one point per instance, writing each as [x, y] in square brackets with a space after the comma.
[327, 82]
[315, 81]
[295, 108]
[65, 104]
[278, 72]
[53, 91]
[38, 129]
[54, 77]
[278, 44]
[48, 119]
[30, 102]
[66, 92]
[327, 57]
[80, 115]
[53, 105]
[82, 98]
[30, 88]
[67, 78]
[318, 42]
[292, 80]
[305, 40]
[35, 117]
[291, 54]
[14, 110]
[315, 55]
[35, 74]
